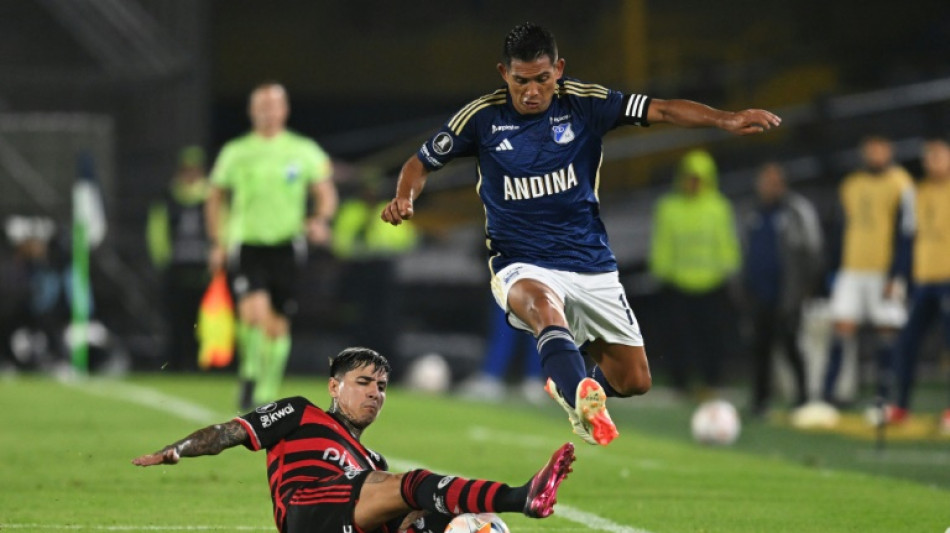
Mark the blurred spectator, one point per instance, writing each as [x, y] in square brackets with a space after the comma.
[782, 257]
[506, 345]
[34, 308]
[930, 297]
[369, 246]
[877, 206]
[269, 174]
[178, 246]
[694, 252]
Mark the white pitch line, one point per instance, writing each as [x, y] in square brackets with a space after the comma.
[148, 397]
[187, 410]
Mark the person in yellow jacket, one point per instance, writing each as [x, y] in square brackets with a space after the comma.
[694, 252]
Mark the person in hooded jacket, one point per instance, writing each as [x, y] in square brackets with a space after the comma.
[694, 252]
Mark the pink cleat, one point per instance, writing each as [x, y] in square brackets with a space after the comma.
[542, 492]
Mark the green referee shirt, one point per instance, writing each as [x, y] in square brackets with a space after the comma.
[269, 179]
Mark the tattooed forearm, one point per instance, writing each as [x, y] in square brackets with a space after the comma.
[210, 440]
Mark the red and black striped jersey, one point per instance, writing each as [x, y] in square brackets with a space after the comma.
[303, 443]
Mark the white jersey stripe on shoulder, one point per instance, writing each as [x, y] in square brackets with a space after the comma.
[589, 93]
[462, 121]
[481, 99]
[462, 116]
[586, 86]
[464, 109]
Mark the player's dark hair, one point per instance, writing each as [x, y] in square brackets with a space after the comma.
[528, 42]
[357, 357]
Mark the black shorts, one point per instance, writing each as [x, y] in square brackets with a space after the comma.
[268, 268]
[324, 506]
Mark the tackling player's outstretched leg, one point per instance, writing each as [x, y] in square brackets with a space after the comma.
[311, 492]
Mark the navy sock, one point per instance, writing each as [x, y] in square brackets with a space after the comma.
[835, 357]
[599, 377]
[561, 360]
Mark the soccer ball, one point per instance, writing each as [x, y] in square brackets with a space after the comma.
[429, 373]
[716, 422]
[477, 523]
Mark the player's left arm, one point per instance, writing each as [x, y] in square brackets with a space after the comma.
[211, 440]
[691, 114]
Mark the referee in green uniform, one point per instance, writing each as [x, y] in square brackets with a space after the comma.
[265, 176]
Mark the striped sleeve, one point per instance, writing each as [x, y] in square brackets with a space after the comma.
[253, 442]
[634, 110]
[270, 423]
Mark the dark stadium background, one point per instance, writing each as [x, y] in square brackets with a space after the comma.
[135, 80]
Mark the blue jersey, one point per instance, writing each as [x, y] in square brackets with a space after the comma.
[538, 174]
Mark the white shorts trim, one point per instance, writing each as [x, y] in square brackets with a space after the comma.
[859, 297]
[595, 304]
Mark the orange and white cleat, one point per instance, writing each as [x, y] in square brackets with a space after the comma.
[579, 429]
[591, 408]
[589, 418]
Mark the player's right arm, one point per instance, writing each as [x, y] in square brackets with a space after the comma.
[211, 440]
[456, 138]
[412, 179]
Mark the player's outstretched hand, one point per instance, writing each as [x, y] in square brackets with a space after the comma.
[168, 456]
[397, 210]
[751, 121]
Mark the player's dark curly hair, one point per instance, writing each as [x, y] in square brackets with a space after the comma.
[528, 42]
[357, 357]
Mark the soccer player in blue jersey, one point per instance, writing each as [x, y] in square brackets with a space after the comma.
[538, 141]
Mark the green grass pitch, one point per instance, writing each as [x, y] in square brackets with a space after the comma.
[65, 452]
